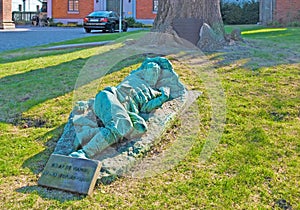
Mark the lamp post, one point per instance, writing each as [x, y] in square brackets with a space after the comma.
[120, 18]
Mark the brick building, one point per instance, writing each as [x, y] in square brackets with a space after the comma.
[73, 11]
[146, 10]
[281, 11]
[5, 15]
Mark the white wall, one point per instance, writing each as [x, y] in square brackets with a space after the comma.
[99, 5]
[30, 5]
[128, 8]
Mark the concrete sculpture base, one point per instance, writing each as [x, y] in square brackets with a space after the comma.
[7, 25]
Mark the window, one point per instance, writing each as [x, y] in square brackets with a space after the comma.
[73, 5]
[155, 5]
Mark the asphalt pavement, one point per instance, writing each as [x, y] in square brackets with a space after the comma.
[30, 36]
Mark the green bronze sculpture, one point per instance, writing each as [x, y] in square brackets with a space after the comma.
[119, 109]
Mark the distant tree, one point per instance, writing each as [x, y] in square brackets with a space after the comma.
[232, 13]
[237, 12]
[251, 12]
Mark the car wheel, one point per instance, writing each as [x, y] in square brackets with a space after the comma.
[112, 28]
[87, 30]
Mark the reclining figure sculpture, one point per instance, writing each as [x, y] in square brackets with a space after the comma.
[119, 109]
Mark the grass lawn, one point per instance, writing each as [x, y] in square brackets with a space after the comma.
[256, 164]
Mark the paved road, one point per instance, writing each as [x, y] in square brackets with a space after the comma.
[24, 37]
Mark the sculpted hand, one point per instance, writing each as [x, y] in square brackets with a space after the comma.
[165, 93]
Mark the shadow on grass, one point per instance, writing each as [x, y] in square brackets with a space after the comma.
[22, 55]
[255, 54]
[262, 47]
[51, 194]
[22, 91]
[37, 163]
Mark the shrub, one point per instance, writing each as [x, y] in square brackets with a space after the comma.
[133, 23]
[59, 24]
[130, 21]
[294, 24]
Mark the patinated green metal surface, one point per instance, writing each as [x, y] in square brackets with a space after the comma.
[119, 110]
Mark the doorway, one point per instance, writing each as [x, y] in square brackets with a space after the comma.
[113, 5]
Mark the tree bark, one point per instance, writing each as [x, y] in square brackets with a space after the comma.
[186, 17]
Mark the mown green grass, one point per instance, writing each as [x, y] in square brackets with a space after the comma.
[276, 35]
[103, 37]
[255, 166]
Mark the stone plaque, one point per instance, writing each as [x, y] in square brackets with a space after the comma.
[70, 174]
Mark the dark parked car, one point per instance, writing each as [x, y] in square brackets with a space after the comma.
[103, 20]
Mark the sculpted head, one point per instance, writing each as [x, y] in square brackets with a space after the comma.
[150, 73]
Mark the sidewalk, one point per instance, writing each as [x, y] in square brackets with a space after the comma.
[14, 30]
[30, 36]
[90, 44]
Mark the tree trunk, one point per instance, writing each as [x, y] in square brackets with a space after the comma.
[186, 17]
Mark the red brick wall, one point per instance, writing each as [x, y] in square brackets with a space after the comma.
[5, 10]
[287, 11]
[1, 11]
[60, 9]
[144, 9]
